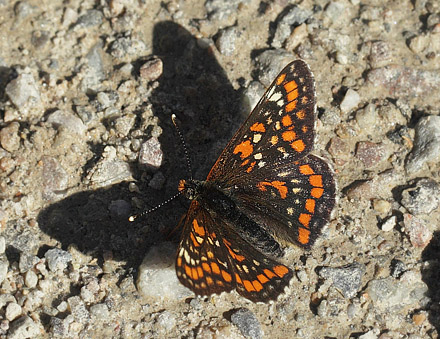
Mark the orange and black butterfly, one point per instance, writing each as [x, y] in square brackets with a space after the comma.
[265, 186]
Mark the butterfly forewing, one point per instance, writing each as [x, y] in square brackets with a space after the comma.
[279, 129]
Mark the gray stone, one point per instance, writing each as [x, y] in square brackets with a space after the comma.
[270, 63]
[91, 18]
[23, 92]
[31, 279]
[4, 264]
[57, 259]
[100, 311]
[347, 279]
[110, 170]
[294, 17]
[13, 311]
[27, 261]
[226, 41]
[9, 137]
[151, 154]
[220, 9]
[127, 46]
[351, 100]
[426, 144]
[157, 278]
[247, 323]
[423, 198]
[78, 309]
[2, 245]
[68, 121]
[251, 95]
[24, 327]
[54, 177]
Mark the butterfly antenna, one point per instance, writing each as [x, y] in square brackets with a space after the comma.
[182, 141]
[188, 165]
[136, 216]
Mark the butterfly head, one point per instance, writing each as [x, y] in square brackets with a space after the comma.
[190, 188]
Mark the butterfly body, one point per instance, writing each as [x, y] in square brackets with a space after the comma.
[264, 187]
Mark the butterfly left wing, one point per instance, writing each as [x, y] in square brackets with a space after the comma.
[279, 129]
[213, 258]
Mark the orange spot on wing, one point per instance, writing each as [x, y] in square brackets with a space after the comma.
[258, 127]
[281, 78]
[194, 240]
[226, 276]
[179, 261]
[262, 278]
[306, 170]
[238, 279]
[310, 205]
[304, 129]
[291, 106]
[317, 192]
[234, 255]
[298, 145]
[251, 167]
[220, 283]
[188, 271]
[195, 275]
[290, 86]
[280, 270]
[199, 271]
[245, 162]
[258, 287]
[286, 120]
[279, 185]
[301, 114]
[245, 148]
[289, 135]
[304, 219]
[209, 281]
[292, 95]
[269, 273]
[206, 267]
[198, 229]
[215, 268]
[210, 254]
[316, 180]
[248, 286]
[303, 236]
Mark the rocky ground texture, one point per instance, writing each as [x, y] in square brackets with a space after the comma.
[87, 89]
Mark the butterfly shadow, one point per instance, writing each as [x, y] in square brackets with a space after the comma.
[195, 88]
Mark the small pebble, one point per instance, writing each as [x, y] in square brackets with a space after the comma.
[419, 234]
[30, 279]
[57, 259]
[151, 154]
[351, 100]
[13, 311]
[225, 42]
[423, 198]
[247, 323]
[152, 69]
[2, 245]
[389, 224]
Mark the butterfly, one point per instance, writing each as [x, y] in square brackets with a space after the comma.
[264, 188]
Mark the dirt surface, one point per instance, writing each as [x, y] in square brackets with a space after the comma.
[87, 90]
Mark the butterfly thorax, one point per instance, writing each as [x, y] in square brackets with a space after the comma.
[221, 205]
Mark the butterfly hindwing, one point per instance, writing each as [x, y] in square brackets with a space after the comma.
[212, 258]
[292, 201]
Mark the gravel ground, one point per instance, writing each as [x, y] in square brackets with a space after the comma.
[87, 89]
